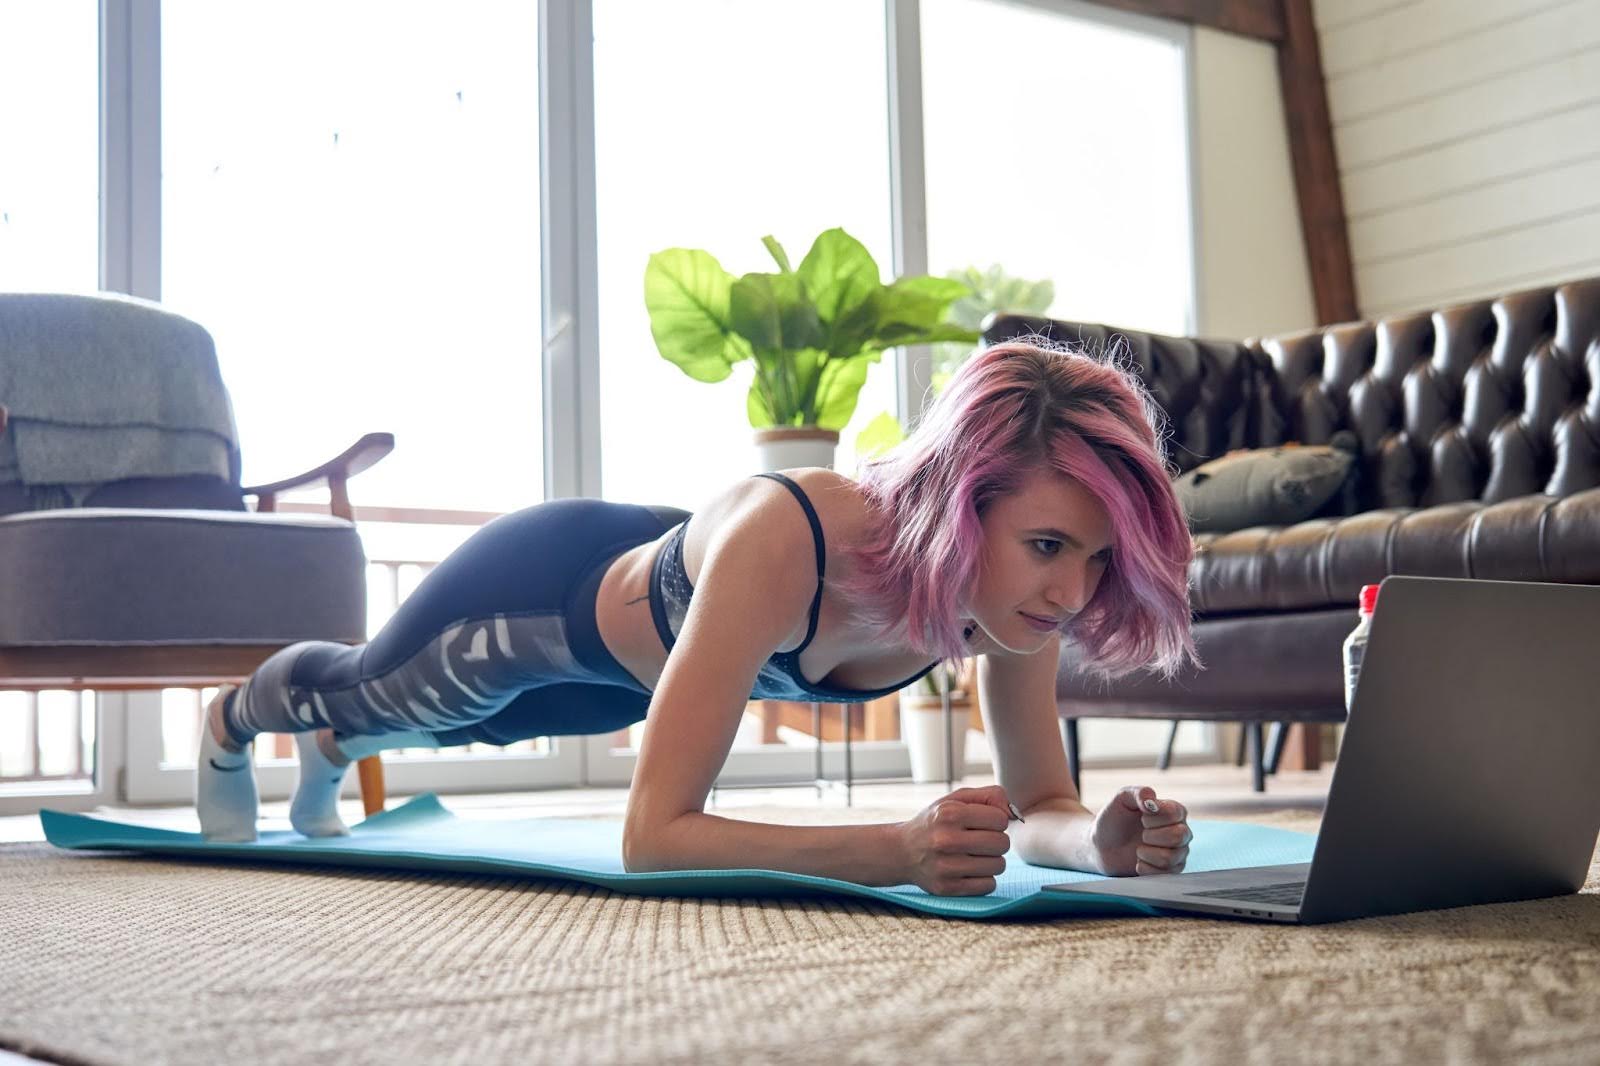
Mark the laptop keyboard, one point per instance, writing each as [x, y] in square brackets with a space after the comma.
[1288, 893]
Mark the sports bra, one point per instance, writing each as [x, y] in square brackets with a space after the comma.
[780, 677]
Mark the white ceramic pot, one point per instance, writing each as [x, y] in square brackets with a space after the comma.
[787, 447]
[922, 727]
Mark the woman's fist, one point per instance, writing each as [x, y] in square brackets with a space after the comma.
[1138, 834]
[955, 846]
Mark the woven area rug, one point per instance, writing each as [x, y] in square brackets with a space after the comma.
[112, 958]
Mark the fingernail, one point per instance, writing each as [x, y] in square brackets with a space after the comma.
[1152, 806]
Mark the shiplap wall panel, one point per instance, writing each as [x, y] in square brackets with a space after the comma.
[1535, 40]
[1343, 13]
[1493, 103]
[1541, 196]
[1478, 162]
[1401, 29]
[1468, 136]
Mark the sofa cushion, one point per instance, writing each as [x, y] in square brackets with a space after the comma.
[1324, 562]
[121, 575]
[1263, 486]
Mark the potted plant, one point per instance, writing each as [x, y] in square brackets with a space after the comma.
[811, 332]
[923, 724]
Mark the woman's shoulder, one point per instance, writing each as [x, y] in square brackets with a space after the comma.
[768, 509]
[841, 506]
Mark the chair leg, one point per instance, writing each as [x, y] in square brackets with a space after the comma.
[1069, 732]
[1278, 738]
[1164, 760]
[370, 772]
[1244, 739]
[1258, 775]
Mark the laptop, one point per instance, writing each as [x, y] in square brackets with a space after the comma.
[1469, 771]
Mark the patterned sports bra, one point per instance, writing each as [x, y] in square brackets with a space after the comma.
[780, 677]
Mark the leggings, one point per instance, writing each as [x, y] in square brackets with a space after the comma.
[497, 644]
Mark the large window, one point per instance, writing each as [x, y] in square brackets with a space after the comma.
[350, 204]
[718, 122]
[1057, 150]
[49, 146]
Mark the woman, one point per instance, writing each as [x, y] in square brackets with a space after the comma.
[1031, 504]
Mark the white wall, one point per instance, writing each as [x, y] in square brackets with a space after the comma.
[1252, 279]
[1468, 138]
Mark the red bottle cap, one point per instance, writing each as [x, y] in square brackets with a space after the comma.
[1369, 598]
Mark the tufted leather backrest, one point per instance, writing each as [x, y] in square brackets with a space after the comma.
[1478, 401]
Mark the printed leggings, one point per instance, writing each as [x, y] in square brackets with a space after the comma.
[497, 644]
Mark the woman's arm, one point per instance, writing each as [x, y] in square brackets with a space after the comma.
[755, 585]
[1018, 696]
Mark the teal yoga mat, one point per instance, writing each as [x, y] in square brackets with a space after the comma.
[422, 835]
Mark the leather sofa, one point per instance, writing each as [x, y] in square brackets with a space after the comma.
[1479, 431]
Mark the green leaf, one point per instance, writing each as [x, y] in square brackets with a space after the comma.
[687, 294]
[879, 435]
[778, 254]
[917, 303]
[839, 390]
[839, 273]
[773, 312]
[756, 407]
[893, 336]
[753, 312]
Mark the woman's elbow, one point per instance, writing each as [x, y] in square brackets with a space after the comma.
[641, 848]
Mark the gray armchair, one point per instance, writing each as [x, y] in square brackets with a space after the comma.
[129, 558]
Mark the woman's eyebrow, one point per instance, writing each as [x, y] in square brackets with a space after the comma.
[1061, 534]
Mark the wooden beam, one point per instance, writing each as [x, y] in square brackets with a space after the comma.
[1316, 167]
[1260, 19]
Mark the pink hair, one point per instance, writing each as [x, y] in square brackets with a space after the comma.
[1009, 410]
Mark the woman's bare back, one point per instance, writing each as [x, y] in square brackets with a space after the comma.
[837, 655]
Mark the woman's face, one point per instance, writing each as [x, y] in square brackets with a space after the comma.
[1045, 547]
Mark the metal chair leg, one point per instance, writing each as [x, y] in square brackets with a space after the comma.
[1069, 731]
[1258, 774]
[1277, 740]
[1165, 759]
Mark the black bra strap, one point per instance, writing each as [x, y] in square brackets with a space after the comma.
[816, 535]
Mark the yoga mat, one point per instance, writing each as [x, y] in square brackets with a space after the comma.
[423, 835]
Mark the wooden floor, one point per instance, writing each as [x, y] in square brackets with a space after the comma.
[1209, 791]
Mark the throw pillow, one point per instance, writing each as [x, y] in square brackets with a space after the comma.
[1265, 486]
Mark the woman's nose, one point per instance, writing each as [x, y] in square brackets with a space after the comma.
[1070, 590]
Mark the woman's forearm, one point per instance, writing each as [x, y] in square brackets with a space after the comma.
[865, 854]
[1057, 833]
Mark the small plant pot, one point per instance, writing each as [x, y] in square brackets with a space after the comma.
[788, 447]
[922, 727]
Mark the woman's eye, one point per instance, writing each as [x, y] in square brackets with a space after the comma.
[1047, 547]
[1104, 558]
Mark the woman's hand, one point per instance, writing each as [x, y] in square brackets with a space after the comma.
[1138, 834]
[954, 847]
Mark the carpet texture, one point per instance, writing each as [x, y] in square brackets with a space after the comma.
[115, 958]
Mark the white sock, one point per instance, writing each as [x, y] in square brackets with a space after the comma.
[314, 811]
[225, 790]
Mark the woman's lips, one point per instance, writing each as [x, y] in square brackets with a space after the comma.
[1043, 625]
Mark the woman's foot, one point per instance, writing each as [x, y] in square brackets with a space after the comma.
[225, 795]
[314, 811]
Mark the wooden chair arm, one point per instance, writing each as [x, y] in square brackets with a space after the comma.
[335, 473]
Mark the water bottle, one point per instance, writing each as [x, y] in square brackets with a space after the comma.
[1355, 645]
